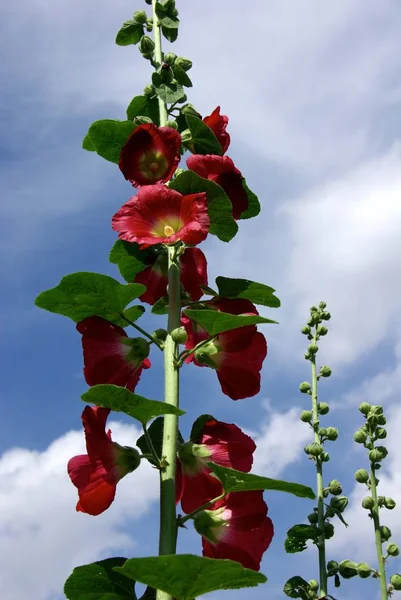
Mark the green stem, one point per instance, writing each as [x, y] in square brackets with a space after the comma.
[159, 60]
[321, 543]
[168, 517]
[182, 520]
[145, 333]
[376, 521]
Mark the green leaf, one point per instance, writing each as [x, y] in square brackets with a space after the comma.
[98, 581]
[294, 545]
[134, 313]
[82, 295]
[258, 293]
[143, 106]
[296, 587]
[170, 33]
[185, 576]
[181, 76]
[253, 203]
[130, 33]
[130, 259]
[155, 431]
[87, 144]
[120, 399]
[168, 92]
[222, 223]
[204, 140]
[161, 306]
[237, 481]
[216, 322]
[297, 537]
[198, 426]
[108, 137]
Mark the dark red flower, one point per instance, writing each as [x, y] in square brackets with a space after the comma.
[236, 528]
[236, 355]
[222, 170]
[218, 124]
[110, 356]
[222, 443]
[97, 473]
[193, 275]
[150, 154]
[159, 215]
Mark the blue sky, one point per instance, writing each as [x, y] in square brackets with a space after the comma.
[313, 93]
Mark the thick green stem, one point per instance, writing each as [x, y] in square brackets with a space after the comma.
[158, 58]
[376, 522]
[321, 544]
[168, 517]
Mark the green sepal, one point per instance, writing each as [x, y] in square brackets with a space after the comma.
[216, 322]
[130, 33]
[203, 138]
[144, 106]
[181, 77]
[107, 137]
[258, 293]
[99, 581]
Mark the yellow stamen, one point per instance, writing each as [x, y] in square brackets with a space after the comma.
[168, 231]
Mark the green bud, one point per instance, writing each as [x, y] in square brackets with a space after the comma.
[313, 518]
[141, 119]
[381, 433]
[375, 455]
[322, 330]
[189, 109]
[160, 334]
[385, 533]
[313, 309]
[373, 419]
[149, 90]
[149, 2]
[166, 74]
[348, 569]
[328, 531]
[304, 387]
[322, 305]
[170, 58]
[335, 487]
[377, 409]
[313, 348]
[393, 550]
[322, 431]
[362, 476]
[186, 136]
[127, 459]
[172, 124]
[325, 457]
[389, 503]
[313, 585]
[307, 356]
[381, 420]
[337, 580]
[332, 433]
[138, 349]
[360, 436]
[364, 570]
[380, 501]
[184, 63]
[332, 568]
[179, 335]
[377, 466]
[306, 330]
[323, 408]
[364, 408]
[325, 371]
[395, 581]
[326, 316]
[368, 503]
[383, 450]
[339, 503]
[140, 17]
[146, 45]
[149, 24]
[314, 449]
[306, 416]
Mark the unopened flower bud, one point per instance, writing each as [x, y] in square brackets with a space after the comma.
[149, 2]
[362, 476]
[332, 568]
[348, 569]
[326, 316]
[323, 431]
[142, 119]
[170, 58]
[364, 408]
[393, 550]
[389, 503]
[385, 533]
[304, 387]
[375, 455]
[323, 408]
[383, 450]
[322, 305]
[179, 335]
[189, 109]
[172, 124]
[325, 457]
[377, 409]
[146, 45]
[186, 137]
[381, 420]
[140, 17]
[339, 503]
[332, 433]
[322, 330]
[149, 24]
[373, 419]
[328, 531]
[381, 433]
[313, 348]
[314, 449]
[306, 416]
[360, 436]
[325, 371]
[160, 334]
[364, 570]
[395, 581]
[138, 348]
[313, 585]
[149, 90]
[184, 63]
[335, 487]
[166, 73]
[306, 330]
[313, 309]
[368, 503]
[313, 518]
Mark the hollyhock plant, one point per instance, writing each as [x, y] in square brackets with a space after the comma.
[236, 355]
[110, 356]
[193, 274]
[218, 124]
[151, 154]
[97, 473]
[159, 215]
[222, 443]
[222, 171]
[236, 528]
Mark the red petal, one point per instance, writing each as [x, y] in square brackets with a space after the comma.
[218, 124]
[156, 284]
[193, 272]
[230, 447]
[198, 490]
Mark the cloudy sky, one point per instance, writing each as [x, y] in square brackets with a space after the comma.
[313, 92]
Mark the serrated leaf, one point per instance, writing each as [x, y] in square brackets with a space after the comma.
[204, 140]
[134, 312]
[144, 106]
[170, 23]
[253, 203]
[168, 92]
[155, 431]
[297, 537]
[82, 295]
[198, 426]
[108, 137]
[160, 307]
[130, 33]
[222, 223]
[87, 144]
[296, 587]
[294, 545]
[120, 399]
[258, 293]
[237, 481]
[185, 576]
[181, 76]
[130, 259]
[98, 581]
[170, 33]
[216, 322]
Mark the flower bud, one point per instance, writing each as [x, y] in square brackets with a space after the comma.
[186, 137]
[179, 335]
[326, 316]
[141, 119]
[306, 416]
[149, 90]
[363, 570]
[313, 309]
[332, 433]
[138, 348]
[313, 348]
[314, 449]
[339, 503]
[170, 58]
[323, 408]
[322, 305]
[362, 476]
[184, 63]
[304, 387]
[377, 466]
[189, 109]
[380, 501]
[322, 330]
[325, 371]
[377, 409]
[323, 431]
[166, 73]
[306, 330]
[395, 581]
[389, 503]
[140, 17]
[381, 420]
[372, 419]
[385, 533]
[160, 334]
[313, 518]
[149, 24]
[127, 459]
[332, 568]
[149, 2]
[360, 436]
[146, 45]
[335, 487]
[364, 408]
[348, 569]
[325, 457]
[172, 124]
[368, 503]
[313, 585]
[381, 433]
[328, 531]
[375, 455]
[393, 550]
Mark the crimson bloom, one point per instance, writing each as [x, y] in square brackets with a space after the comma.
[222, 443]
[222, 171]
[193, 274]
[150, 154]
[218, 124]
[236, 528]
[110, 356]
[159, 215]
[97, 473]
[236, 355]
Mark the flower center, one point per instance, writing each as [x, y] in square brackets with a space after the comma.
[168, 231]
[153, 167]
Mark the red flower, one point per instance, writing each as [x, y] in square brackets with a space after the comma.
[222, 443]
[150, 154]
[109, 355]
[236, 355]
[218, 124]
[97, 473]
[158, 215]
[236, 528]
[193, 275]
[222, 170]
